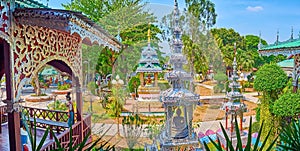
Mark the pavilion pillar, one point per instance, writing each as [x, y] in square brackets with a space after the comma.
[79, 101]
[13, 115]
[142, 78]
[156, 79]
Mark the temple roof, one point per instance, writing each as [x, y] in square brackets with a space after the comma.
[286, 63]
[285, 48]
[68, 21]
[29, 4]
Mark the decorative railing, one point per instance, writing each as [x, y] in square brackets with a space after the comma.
[53, 115]
[3, 117]
[79, 130]
[46, 114]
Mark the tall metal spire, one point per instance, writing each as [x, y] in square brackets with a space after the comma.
[234, 94]
[277, 38]
[259, 43]
[292, 33]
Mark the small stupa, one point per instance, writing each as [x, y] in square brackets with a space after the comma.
[233, 106]
[149, 65]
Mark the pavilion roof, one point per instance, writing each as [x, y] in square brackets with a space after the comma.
[288, 47]
[68, 21]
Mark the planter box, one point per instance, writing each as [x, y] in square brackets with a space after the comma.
[38, 98]
[249, 90]
[61, 92]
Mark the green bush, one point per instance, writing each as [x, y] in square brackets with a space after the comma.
[63, 87]
[133, 84]
[57, 105]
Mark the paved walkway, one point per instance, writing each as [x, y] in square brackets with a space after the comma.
[100, 128]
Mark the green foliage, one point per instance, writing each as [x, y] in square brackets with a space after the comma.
[270, 79]
[204, 10]
[255, 127]
[116, 101]
[221, 79]
[133, 84]
[105, 62]
[288, 105]
[289, 87]
[257, 115]
[98, 8]
[57, 105]
[239, 146]
[63, 87]
[290, 137]
[132, 128]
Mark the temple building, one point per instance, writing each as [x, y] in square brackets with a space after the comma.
[290, 47]
[178, 101]
[149, 66]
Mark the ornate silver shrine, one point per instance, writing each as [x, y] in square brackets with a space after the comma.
[178, 101]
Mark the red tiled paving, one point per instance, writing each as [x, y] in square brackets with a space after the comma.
[4, 140]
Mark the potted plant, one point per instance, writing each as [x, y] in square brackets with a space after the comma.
[133, 84]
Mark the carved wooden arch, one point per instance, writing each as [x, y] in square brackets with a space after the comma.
[35, 46]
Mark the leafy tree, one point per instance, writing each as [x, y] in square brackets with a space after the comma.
[116, 100]
[127, 18]
[270, 79]
[105, 62]
[221, 78]
[97, 9]
[204, 10]
[288, 105]
[225, 39]
[196, 40]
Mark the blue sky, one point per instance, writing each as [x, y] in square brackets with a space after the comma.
[244, 16]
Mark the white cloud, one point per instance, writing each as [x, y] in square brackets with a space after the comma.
[255, 8]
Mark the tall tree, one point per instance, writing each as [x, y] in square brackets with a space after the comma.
[270, 80]
[129, 19]
[97, 9]
[204, 10]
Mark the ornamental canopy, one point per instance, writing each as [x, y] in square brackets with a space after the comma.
[68, 21]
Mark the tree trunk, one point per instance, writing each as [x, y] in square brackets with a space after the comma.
[37, 85]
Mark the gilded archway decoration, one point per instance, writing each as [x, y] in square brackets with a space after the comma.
[35, 46]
